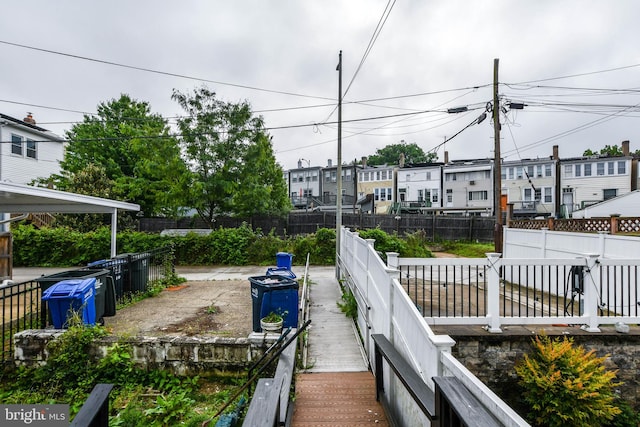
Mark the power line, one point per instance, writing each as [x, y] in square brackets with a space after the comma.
[625, 67]
[164, 73]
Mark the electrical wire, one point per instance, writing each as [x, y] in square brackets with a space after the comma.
[164, 73]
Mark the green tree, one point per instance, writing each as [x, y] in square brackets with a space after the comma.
[390, 154]
[233, 169]
[608, 150]
[136, 152]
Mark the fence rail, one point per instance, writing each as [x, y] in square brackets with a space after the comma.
[387, 309]
[22, 306]
[589, 291]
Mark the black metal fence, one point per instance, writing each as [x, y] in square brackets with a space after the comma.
[436, 227]
[22, 306]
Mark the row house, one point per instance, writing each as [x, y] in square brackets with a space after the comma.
[530, 186]
[304, 186]
[419, 187]
[468, 187]
[589, 180]
[375, 188]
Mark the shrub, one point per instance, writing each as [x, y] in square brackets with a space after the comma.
[385, 242]
[566, 385]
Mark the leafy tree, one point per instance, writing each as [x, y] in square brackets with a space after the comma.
[390, 154]
[135, 150]
[608, 150]
[233, 169]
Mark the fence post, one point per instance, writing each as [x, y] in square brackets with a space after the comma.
[392, 259]
[493, 292]
[543, 241]
[591, 304]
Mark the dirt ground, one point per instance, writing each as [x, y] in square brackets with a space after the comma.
[197, 308]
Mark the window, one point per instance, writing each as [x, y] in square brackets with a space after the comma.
[420, 195]
[587, 169]
[327, 176]
[568, 171]
[609, 193]
[376, 194]
[600, 168]
[403, 194]
[511, 173]
[308, 192]
[428, 176]
[503, 173]
[547, 195]
[537, 194]
[434, 195]
[530, 171]
[527, 195]
[611, 168]
[547, 170]
[539, 171]
[383, 194]
[450, 177]
[384, 175]
[347, 174]
[449, 195]
[478, 195]
[32, 152]
[16, 145]
[334, 176]
[314, 176]
[519, 172]
[377, 175]
[366, 176]
[622, 168]
[578, 170]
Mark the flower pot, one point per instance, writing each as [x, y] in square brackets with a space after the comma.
[271, 326]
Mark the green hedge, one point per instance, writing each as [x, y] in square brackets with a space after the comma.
[61, 247]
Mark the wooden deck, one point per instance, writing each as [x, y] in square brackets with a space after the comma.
[337, 399]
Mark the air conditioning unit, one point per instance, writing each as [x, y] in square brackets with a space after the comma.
[472, 183]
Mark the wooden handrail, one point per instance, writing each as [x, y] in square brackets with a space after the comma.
[95, 411]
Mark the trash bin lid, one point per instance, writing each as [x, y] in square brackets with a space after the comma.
[71, 288]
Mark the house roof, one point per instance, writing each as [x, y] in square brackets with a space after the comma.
[18, 198]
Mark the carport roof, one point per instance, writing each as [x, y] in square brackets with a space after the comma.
[19, 198]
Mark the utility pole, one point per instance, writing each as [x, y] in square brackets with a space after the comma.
[497, 167]
[339, 171]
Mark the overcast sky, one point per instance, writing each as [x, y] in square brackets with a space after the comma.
[575, 63]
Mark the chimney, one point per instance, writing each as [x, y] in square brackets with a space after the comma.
[556, 155]
[299, 163]
[625, 148]
[401, 161]
[329, 163]
[29, 119]
[364, 161]
[446, 157]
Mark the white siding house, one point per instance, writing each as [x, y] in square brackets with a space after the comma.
[530, 184]
[468, 187]
[420, 183]
[28, 151]
[589, 180]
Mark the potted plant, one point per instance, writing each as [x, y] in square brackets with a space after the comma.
[272, 322]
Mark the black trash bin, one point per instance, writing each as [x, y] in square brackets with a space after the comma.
[136, 271]
[117, 269]
[105, 295]
[277, 294]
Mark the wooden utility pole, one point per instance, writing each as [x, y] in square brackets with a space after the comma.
[339, 171]
[497, 164]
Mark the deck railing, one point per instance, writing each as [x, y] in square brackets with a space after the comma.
[386, 308]
[588, 291]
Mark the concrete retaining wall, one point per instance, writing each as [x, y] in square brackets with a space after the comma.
[181, 355]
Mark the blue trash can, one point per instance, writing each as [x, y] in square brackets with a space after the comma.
[281, 271]
[284, 259]
[68, 296]
[274, 293]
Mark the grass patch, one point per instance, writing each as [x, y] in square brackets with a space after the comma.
[467, 249]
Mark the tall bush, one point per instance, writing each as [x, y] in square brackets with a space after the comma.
[565, 385]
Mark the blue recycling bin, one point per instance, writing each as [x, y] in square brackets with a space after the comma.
[281, 271]
[284, 259]
[277, 294]
[69, 296]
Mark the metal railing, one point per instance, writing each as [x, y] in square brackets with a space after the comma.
[589, 291]
[22, 307]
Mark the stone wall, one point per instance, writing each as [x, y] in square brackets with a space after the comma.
[181, 355]
[492, 357]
